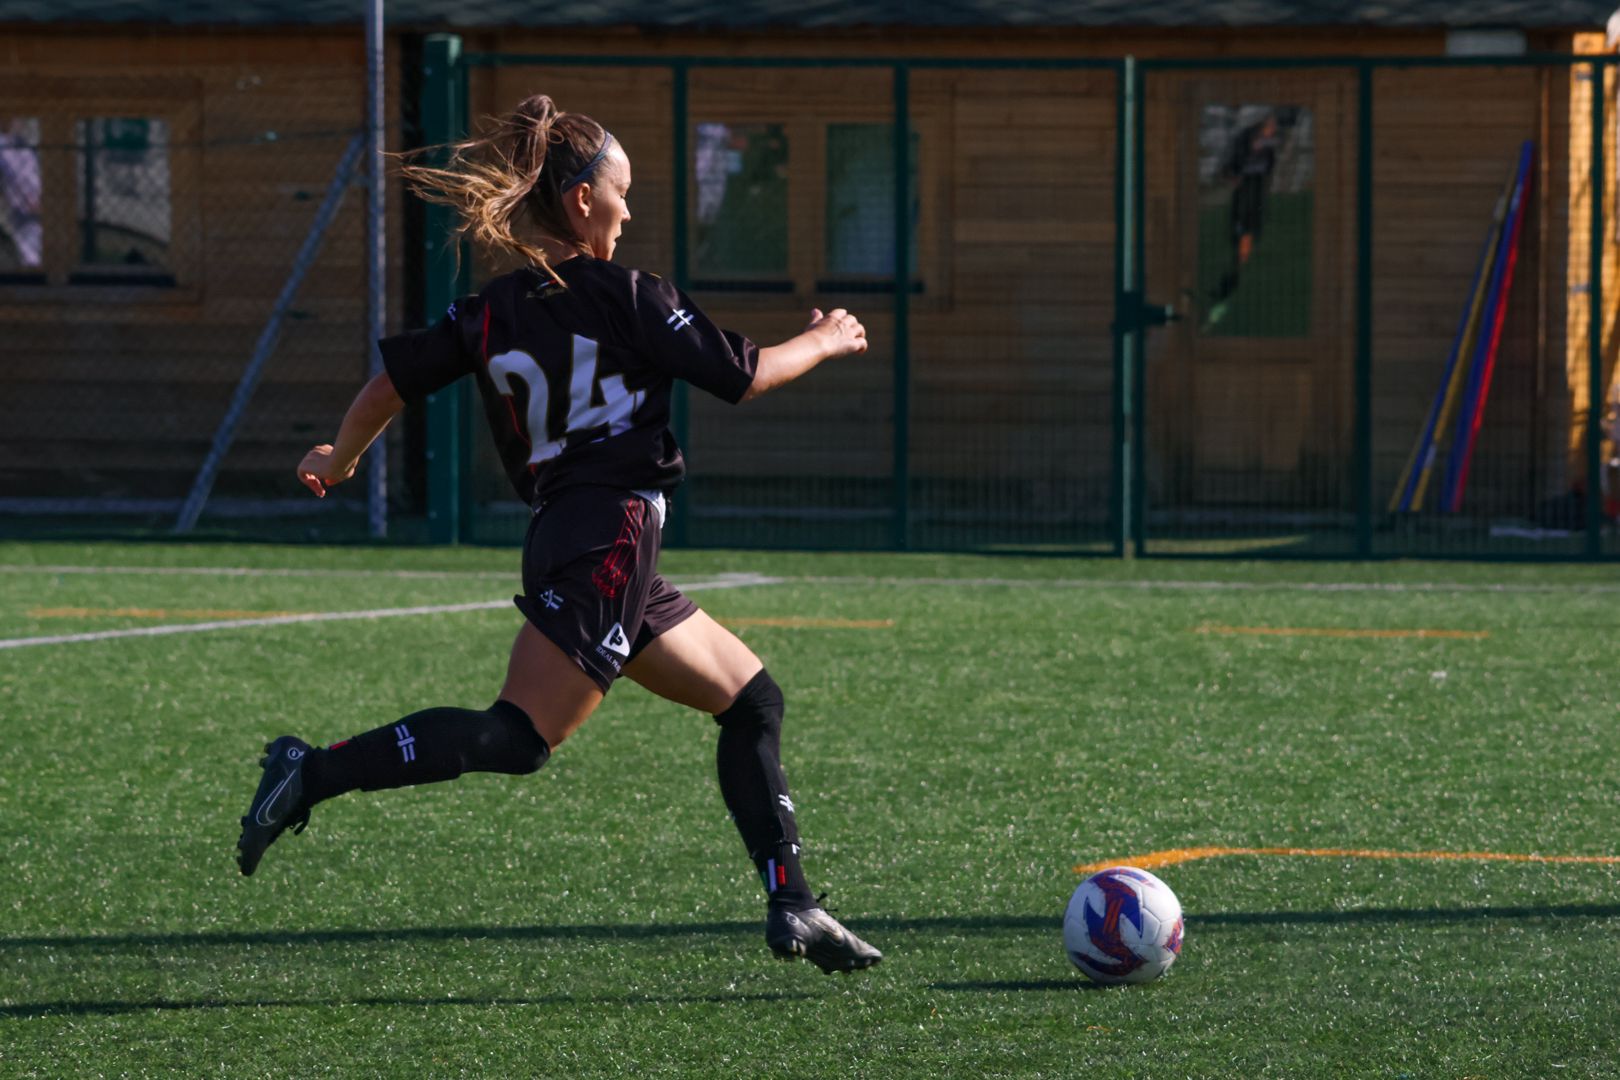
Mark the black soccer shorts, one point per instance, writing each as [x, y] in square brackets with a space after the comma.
[591, 581]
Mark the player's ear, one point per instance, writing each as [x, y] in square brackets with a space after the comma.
[580, 197]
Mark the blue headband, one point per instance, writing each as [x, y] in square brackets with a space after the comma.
[583, 174]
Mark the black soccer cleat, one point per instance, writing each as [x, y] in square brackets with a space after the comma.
[818, 937]
[278, 804]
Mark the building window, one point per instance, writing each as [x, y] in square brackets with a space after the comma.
[123, 198]
[860, 204]
[741, 220]
[799, 199]
[22, 233]
[100, 190]
[1257, 183]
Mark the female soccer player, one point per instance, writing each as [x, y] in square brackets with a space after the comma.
[575, 358]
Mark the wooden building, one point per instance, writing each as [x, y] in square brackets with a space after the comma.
[114, 371]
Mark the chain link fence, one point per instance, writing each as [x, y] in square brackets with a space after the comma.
[1397, 287]
[1341, 307]
[983, 415]
[1282, 307]
[182, 299]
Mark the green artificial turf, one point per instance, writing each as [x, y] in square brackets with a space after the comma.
[1019, 718]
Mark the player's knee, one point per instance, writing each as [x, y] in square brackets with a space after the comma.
[759, 704]
[516, 748]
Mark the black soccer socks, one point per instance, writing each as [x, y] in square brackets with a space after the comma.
[749, 759]
[426, 747]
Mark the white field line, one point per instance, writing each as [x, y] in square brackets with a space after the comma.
[1207, 586]
[254, 571]
[729, 581]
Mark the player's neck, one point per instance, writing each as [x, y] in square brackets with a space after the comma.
[556, 251]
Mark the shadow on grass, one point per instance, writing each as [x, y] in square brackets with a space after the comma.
[117, 1008]
[1078, 984]
[878, 925]
[621, 932]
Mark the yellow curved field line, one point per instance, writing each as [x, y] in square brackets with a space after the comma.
[1153, 860]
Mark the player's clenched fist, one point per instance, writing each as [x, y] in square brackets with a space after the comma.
[318, 471]
[841, 333]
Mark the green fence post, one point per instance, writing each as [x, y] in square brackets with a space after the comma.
[1594, 326]
[902, 307]
[1121, 500]
[1362, 375]
[680, 400]
[443, 110]
[1138, 355]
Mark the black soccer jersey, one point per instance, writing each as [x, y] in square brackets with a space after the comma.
[576, 378]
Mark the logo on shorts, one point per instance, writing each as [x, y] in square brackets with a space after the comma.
[616, 642]
[678, 321]
[551, 600]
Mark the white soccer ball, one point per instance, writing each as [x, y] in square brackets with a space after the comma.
[1123, 925]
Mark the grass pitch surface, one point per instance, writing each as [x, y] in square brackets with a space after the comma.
[1017, 719]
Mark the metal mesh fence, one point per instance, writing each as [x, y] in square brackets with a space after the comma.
[1393, 283]
[1388, 274]
[1249, 188]
[182, 298]
[982, 416]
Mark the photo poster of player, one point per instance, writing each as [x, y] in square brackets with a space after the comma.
[21, 227]
[1256, 187]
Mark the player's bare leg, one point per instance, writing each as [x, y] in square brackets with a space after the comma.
[701, 664]
[546, 684]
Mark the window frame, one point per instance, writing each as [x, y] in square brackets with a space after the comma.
[806, 118]
[762, 283]
[30, 275]
[60, 103]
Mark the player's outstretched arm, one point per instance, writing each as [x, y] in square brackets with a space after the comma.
[332, 463]
[829, 336]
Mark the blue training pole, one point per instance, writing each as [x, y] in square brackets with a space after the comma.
[1482, 346]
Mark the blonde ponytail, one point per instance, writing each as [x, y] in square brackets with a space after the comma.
[519, 163]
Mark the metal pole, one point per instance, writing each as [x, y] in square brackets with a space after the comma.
[1362, 376]
[1124, 109]
[1594, 327]
[902, 307]
[377, 263]
[226, 434]
[442, 122]
[680, 399]
[94, 136]
[1138, 354]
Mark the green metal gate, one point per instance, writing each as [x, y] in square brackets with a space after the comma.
[1140, 380]
[1282, 412]
[1007, 441]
